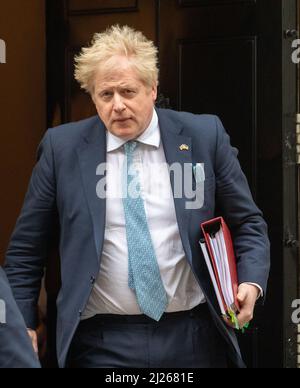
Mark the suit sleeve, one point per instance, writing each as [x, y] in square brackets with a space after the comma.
[16, 350]
[236, 204]
[27, 251]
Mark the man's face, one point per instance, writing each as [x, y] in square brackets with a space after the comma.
[123, 102]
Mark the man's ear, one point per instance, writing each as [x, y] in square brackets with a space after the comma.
[154, 91]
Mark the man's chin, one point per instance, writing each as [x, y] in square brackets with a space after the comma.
[127, 133]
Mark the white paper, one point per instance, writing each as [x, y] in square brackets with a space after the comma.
[219, 251]
[213, 278]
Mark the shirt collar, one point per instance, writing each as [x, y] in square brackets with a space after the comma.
[151, 136]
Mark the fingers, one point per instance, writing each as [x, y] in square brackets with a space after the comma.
[33, 336]
[245, 316]
[242, 295]
[247, 297]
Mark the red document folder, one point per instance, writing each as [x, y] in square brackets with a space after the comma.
[218, 251]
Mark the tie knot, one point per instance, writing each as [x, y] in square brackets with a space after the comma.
[130, 146]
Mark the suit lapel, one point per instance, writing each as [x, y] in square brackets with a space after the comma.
[91, 154]
[172, 141]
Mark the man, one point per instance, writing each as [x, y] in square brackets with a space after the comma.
[135, 288]
[15, 346]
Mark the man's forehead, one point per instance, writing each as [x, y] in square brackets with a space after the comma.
[117, 79]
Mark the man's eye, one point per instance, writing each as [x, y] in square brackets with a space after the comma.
[105, 94]
[128, 91]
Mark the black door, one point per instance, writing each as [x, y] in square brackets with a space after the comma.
[233, 59]
[226, 57]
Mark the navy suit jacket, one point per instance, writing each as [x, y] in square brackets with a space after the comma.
[15, 346]
[63, 186]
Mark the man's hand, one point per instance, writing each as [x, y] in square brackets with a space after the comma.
[247, 297]
[33, 336]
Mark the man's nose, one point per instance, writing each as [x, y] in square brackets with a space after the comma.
[119, 105]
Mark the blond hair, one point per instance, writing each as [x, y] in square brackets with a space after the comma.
[117, 41]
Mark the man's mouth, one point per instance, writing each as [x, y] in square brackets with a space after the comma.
[122, 120]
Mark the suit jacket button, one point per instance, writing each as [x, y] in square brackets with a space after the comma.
[93, 280]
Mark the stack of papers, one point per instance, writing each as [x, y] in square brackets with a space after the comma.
[217, 248]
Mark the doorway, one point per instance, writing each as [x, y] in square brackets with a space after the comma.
[230, 58]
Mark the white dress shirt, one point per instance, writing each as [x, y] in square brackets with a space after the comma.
[111, 293]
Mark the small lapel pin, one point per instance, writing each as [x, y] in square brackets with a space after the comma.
[184, 147]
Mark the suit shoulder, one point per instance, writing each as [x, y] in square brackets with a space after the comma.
[191, 122]
[68, 137]
[73, 130]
